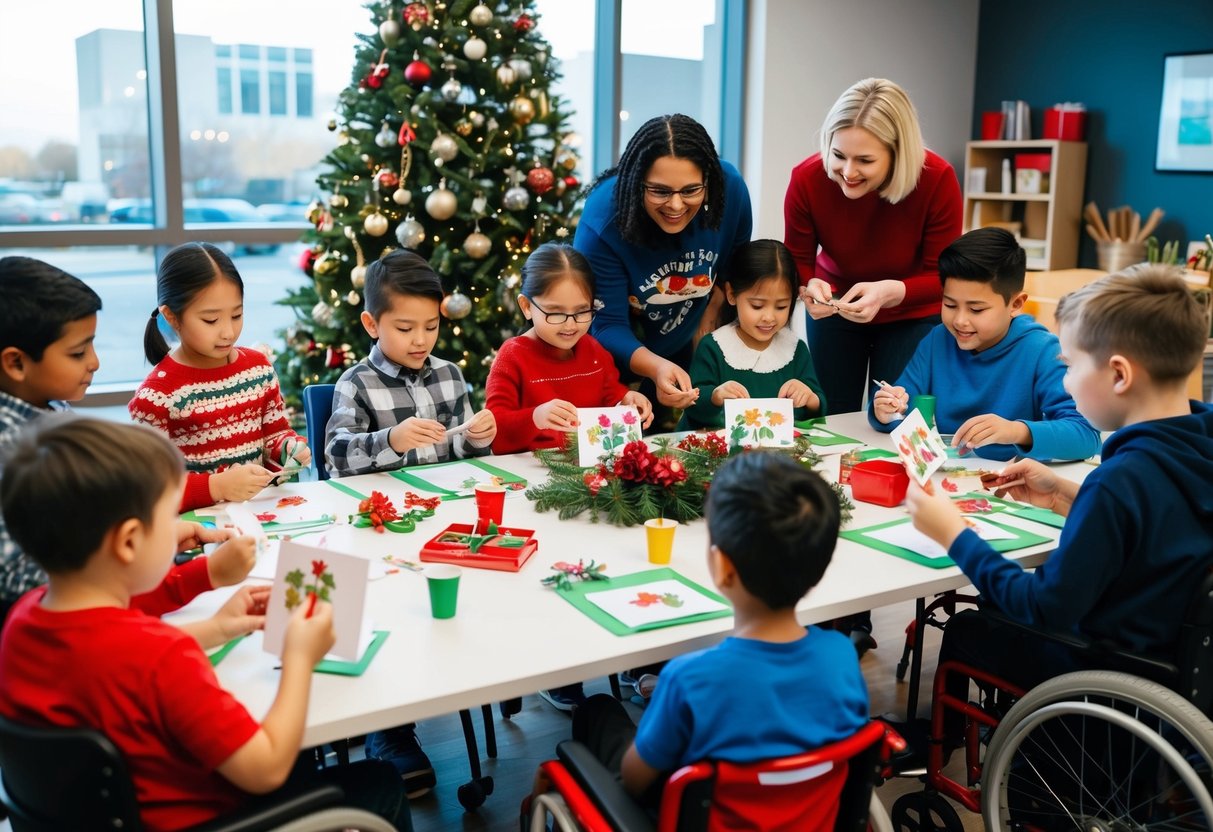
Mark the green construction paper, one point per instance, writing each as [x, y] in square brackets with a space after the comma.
[875, 453]
[345, 489]
[221, 654]
[815, 422]
[824, 441]
[416, 477]
[575, 594]
[1022, 510]
[338, 667]
[1022, 540]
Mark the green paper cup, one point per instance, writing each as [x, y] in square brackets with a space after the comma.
[443, 580]
[660, 535]
[925, 405]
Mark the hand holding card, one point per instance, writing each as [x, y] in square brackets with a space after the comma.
[919, 448]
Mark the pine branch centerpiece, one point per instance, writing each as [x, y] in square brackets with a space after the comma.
[639, 483]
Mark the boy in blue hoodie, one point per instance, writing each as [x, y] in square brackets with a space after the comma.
[994, 370]
[1137, 536]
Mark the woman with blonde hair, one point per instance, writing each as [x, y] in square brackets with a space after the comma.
[881, 207]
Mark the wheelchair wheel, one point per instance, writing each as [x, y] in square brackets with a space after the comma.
[1100, 751]
[925, 812]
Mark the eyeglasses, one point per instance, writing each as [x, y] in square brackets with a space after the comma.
[582, 317]
[660, 193]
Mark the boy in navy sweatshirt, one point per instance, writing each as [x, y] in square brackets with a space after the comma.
[994, 371]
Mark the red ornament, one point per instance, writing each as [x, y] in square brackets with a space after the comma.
[334, 357]
[378, 75]
[418, 73]
[524, 23]
[571, 181]
[407, 134]
[307, 260]
[540, 180]
[387, 179]
[416, 15]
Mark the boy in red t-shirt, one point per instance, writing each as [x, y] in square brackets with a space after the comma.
[75, 654]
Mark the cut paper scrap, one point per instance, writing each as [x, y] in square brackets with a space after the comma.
[908, 537]
[649, 603]
[758, 423]
[459, 478]
[306, 571]
[602, 431]
[919, 448]
[293, 500]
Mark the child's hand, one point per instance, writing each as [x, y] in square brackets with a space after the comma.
[555, 415]
[642, 404]
[239, 483]
[230, 564]
[729, 390]
[934, 514]
[800, 394]
[817, 297]
[309, 639]
[1028, 481]
[300, 452]
[243, 613]
[483, 428]
[888, 403]
[861, 303]
[988, 429]
[414, 432]
[194, 535]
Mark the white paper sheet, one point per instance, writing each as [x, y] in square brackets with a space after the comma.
[664, 600]
[908, 537]
[347, 594]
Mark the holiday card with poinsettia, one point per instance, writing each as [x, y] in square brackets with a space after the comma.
[307, 576]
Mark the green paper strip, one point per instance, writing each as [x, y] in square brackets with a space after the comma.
[576, 594]
[273, 527]
[1022, 540]
[833, 439]
[875, 453]
[339, 667]
[345, 489]
[221, 654]
[416, 477]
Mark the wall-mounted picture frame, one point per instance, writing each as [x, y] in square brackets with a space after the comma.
[1185, 119]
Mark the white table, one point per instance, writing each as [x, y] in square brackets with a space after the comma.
[513, 636]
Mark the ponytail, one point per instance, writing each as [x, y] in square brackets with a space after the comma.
[154, 345]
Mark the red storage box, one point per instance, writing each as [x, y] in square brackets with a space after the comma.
[1067, 125]
[879, 481]
[1035, 161]
[450, 546]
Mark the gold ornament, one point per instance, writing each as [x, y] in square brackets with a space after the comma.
[477, 245]
[358, 276]
[375, 224]
[456, 305]
[400, 196]
[463, 127]
[480, 15]
[441, 204]
[506, 75]
[338, 201]
[332, 125]
[522, 109]
[326, 264]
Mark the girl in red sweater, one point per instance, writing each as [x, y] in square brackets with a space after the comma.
[219, 404]
[540, 378]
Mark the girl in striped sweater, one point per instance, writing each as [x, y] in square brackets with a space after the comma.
[220, 404]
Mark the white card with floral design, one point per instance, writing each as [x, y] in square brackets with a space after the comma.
[758, 423]
[660, 600]
[920, 448]
[306, 576]
[604, 430]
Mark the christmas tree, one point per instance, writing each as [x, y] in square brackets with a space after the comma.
[450, 143]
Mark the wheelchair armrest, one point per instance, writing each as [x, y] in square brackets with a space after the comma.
[616, 805]
[262, 816]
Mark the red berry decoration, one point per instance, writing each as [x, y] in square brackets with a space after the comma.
[524, 23]
[387, 179]
[378, 75]
[540, 180]
[334, 357]
[418, 73]
[571, 181]
[416, 15]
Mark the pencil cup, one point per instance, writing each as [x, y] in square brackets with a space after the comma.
[443, 580]
[925, 405]
[660, 535]
[490, 505]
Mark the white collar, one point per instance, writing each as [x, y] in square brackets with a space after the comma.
[778, 354]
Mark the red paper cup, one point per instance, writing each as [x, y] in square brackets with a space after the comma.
[490, 504]
[991, 126]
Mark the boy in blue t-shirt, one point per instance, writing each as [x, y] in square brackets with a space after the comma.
[994, 371]
[773, 688]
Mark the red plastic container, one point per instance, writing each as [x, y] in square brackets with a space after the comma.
[1067, 125]
[991, 126]
[443, 548]
[880, 481]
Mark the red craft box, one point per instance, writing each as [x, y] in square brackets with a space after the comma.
[445, 547]
[1036, 161]
[880, 481]
[1067, 125]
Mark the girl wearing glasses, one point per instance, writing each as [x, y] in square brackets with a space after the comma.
[540, 378]
[657, 228]
[880, 207]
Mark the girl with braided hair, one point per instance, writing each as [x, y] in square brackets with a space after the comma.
[657, 229]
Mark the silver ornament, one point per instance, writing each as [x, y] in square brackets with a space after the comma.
[385, 137]
[444, 147]
[389, 33]
[452, 89]
[477, 118]
[456, 305]
[480, 15]
[358, 276]
[477, 245]
[516, 199]
[506, 75]
[353, 298]
[375, 224]
[479, 203]
[410, 233]
[400, 196]
[322, 314]
[429, 41]
[521, 67]
[441, 203]
[475, 48]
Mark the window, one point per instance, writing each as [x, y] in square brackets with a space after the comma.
[250, 52]
[224, 79]
[275, 54]
[277, 85]
[303, 94]
[223, 50]
[303, 56]
[250, 91]
[568, 26]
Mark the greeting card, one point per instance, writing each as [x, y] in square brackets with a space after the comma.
[305, 577]
[920, 448]
[758, 423]
[604, 430]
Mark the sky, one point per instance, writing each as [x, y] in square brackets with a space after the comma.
[38, 54]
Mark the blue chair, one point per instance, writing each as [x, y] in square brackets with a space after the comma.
[317, 408]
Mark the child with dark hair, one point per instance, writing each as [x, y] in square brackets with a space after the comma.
[48, 321]
[656, 230]
[540, 378]
[756, 356]
[395, 407]
[219, 403]
[76, 654]
[994, 370]
[772, 527]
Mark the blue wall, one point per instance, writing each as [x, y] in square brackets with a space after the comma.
[1108, 55]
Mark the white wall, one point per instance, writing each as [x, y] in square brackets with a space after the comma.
[801, 55]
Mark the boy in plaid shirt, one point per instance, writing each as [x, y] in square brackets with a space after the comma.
[399, 407]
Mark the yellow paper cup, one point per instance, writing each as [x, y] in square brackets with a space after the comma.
[660, 535]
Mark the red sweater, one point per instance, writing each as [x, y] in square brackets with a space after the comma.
[869, 238]
[217, 417]
[528, 372]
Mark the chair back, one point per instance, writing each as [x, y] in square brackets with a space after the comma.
[827, 790]
[317, 408]
[64, 778]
